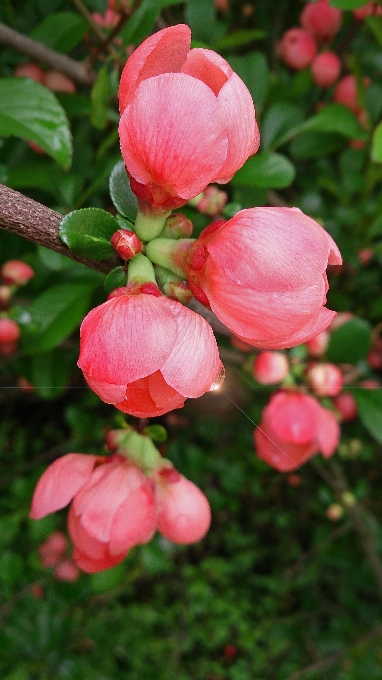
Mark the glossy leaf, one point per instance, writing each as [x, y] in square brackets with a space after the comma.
[278, 121]
[123, 198]
[369, 403]
[87, 232]
[50, 372]
[30, 111]
[117, 278]
[99, 97]
[61, 31]
[347, 4]
[267, 171]
[350, 342]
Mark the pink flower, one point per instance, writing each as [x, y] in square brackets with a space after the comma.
[294, 428]
[53, 548]
[270, 367]
[297, 48]
[145, 353]
[346, 92]
[321, 20]
[326, 379]
[186, 120]
[263, 274]
[112, 506]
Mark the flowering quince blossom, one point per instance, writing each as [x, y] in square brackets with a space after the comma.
[263, 274]
[186, 120]
[145, 353]
[294, 428]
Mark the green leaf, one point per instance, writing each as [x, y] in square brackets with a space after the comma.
[49, 373]
[117, 278]
[99, 97]
[105, 580]
[369, 403]
[376, 149]
[315, 145]
[347, 4]
[350, 342]
[266, 170]
[238, 38]
[375, 25]
[30, 111]
[87, 232]
[61, 31]
[335, 118]
[200, 15]
[55, 314]
[156, 432]
[254, 71]
[279, 120]
[142, 21]
[123, 198]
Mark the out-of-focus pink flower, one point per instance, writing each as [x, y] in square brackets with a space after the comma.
[270, 367]
[9, 331]
[326, 379]
[297, 48]
[210, 127]
[317, 346]
[184, 514]
[59, 82]
[53, 548]
[367, 10]
[365, 255]
[30, 70]
[345, 93]
[112, 506]
[263, 274]
[107, 20]
[294, 428]
[321, 20]
[145, 353]
[16, 273]
[67, 570]
[347, 406]
[326, 69]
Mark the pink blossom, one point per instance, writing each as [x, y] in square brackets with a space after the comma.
[346, 92]
[16, 273]
[294, 428]
[318, 345]
[9, 331]
[53, 548]
[67, 571]
[112, 506]
[145, 353]
[263, 274]
[346, 405]
[210, 127]
[321, 20]
[297, 48]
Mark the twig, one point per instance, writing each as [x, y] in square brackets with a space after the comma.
[78, 71]
[83, 10]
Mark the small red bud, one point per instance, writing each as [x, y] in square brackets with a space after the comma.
[29, 70]
[178, 226]
[317, 346]
[126, 243]
[297, 48]
[335, 512]
[270, 367]
[212, 201]
[16, 273]
[321, 20]
[326, 69]
[347, 405]
[9, 331]
[58, 82]
[198, 256]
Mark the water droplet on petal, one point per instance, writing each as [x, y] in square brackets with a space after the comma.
[217, 383]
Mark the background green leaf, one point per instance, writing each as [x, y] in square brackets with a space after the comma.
[350, 342]
[61, 31]
[266, 170]
[369, 403]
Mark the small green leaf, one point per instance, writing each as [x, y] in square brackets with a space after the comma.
[347, 4]
[49, 373]
[266, 170]
[61, 31]
[375, 25]
[315, 145]
[238, 38]
[87, 232]
[376, 149]
[350, 342]
[99, 97]
[277, 122]
[156, 432]
[117, 278]
[369, 403]
[30, 111]
[336, 118]
[123, 198]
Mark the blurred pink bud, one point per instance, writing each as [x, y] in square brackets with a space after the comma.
[294, 427]
[184, 514]
[24, 384]
[230, 651]
[325, 379]
[210, 119]
[30, 70]
[16, 273]
[240, 344]
[126, 243]
[347, 406]
[346, 93]
[370, 384]
[339, 320]
[263, 275]
[321, 20]
[335, 512]
[37, 590]
[107, 20]
[365, 255]
[374, 359]
[317, 346]
[58, 82]
[294, 480]
[297, 48]
[326, 69]
[67, 570]
[221, 5]
[9, 331]
[212, 201]
[270, 368]
[52, 549]
[172, 353]
[367, 10]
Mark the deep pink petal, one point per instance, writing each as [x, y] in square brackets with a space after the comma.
[328, 432]
[271, 249]
[60, 482]
[164, 52]
[150, 397]
[126, 338]
[184, 154]
[293, 417]
[92, 566]
[87, 544]
[194, 362]
[135, 520]
[283, 456]
[200, 65]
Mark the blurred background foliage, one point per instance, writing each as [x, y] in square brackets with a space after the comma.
[277, 590]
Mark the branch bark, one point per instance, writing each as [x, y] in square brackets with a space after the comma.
[78, 71]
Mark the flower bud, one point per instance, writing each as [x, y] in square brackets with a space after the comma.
[270, 368]
[321, 20]
[178, 290]
[126, 243]
[347, 406]
[5, 295]
[67, 571]
[58, 82]
[211, 201]
[335, 512]
[317, 346]
[297, 48]
[325, 379]
[16, 273]
[177, 226]
[30, 70]
[326, 68]
[346, 92]
[9, 331]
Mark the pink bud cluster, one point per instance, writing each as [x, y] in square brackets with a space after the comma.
[53, 554]
[13, 273]
[114, 506]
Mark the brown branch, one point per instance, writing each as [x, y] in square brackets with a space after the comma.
[83, 10]
[35, 222]
[78, 71]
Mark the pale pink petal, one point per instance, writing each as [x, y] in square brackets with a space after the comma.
[184, 514]
[194, 362]
[60, 482]
[110, 394]
[126, 338]
[172, 134]
[164, 52]
[328, 432]
[243, 132]
[82, 540]
[271, 249]
[200, 65]
[293, 417]
[135, 520]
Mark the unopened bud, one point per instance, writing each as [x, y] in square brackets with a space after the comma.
[347, 406]
[9, 331]
[317, 346]
[178, 290]
[325, 379]
[270, 367]
[348, 499]
[177, 226]
[126, 243]
[16, 273]
[211, 201]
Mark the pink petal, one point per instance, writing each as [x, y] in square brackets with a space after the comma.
[199, 65]
[184, 514]
[108, 393]
[328, 432]
[194, 362]
[243, 132]
[283, 456]
[91, 566]
[183, 155]
[126, 338]
[150, 397]
[87, 544]
[60, 482]
[135, 520]
[271, 249]
[293, 417]
[164, 52]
